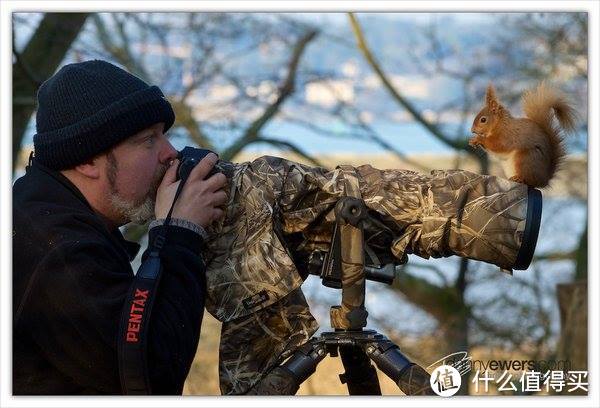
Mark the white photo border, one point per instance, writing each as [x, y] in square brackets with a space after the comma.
[7, 7]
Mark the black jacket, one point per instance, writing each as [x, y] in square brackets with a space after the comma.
[70, 278]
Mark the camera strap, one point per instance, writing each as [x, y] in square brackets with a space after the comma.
[135, 317]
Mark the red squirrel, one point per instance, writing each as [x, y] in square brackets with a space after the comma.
[530, 149]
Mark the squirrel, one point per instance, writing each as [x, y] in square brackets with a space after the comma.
[530, 149]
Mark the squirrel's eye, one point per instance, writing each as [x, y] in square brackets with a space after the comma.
[483, 119]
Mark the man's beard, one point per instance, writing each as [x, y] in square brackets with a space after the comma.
[139, 211]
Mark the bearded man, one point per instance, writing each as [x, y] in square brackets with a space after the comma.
[102, 160]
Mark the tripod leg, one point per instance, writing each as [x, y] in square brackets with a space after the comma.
[414, 380]
[411, 378]
[360, 376]
[287, 378]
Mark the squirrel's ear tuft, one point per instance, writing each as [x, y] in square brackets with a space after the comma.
[490, 96]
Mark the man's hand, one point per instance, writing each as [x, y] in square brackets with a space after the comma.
[199, 200]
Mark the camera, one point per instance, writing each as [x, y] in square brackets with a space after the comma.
[189, 157]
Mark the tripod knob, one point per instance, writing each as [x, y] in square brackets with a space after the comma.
[287, 378]
[303, 363]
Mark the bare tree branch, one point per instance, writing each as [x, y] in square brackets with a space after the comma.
[120, 52]
[288, 145]
[284, 92]
[185, 118]
[440, 302]
[555, 256]
[431, 127]
[45, 51]
[373, 136]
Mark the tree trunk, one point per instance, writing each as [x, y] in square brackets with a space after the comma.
[38, 61]
[573, 345]
[456, 337]
[457, 331]
[581, 256]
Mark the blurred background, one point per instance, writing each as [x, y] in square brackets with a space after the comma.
[395, 90]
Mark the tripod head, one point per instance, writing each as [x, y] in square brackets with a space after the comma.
[332, 277]
[343, 267]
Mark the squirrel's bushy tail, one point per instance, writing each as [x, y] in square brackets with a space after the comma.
[541, 105]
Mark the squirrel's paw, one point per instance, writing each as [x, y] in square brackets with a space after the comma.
[475, 141]
[517, 179]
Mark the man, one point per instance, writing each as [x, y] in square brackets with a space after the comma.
[102, 160]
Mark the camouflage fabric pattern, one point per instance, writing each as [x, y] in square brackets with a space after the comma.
[251, 346]
[280, 212]
[278, 382]
[446, 213]
[248, 267]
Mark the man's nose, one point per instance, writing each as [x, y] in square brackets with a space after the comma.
[167, 153]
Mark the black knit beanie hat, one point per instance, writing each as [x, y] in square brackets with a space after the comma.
[88, 107]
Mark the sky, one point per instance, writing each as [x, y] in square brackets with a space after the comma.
[405, 135]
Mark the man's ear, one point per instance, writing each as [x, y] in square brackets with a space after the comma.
[90, 168]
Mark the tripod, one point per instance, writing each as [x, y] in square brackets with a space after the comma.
[344, 268]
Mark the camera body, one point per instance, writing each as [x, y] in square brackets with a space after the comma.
[189, 157]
